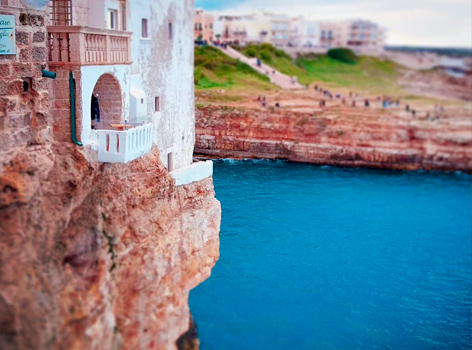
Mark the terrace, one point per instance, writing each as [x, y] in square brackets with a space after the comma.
[88, 46]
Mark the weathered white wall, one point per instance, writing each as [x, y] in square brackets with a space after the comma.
[161, 67]
[98, 9]
[90, 76]
[164, 68]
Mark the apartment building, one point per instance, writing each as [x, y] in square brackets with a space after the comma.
[248, 28]
[330, 34]
[280, 28]
[304, 33]
[363, 37]
[254, 28]
[204, 25]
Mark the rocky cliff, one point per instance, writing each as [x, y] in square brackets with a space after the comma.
[99, 257]
[336, 135]
[92, 255]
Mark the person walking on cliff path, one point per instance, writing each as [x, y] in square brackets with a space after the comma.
[263, 102]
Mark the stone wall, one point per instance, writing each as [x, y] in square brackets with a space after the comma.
[24, 115]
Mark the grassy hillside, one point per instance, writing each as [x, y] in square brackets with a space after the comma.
[276, 58]
[368, 73]
[213, 69]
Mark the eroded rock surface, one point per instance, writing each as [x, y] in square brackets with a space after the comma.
[337, 135]
[99, 256]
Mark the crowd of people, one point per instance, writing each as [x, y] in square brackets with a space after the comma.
[356, 99]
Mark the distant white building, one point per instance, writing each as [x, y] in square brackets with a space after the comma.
[363, 37]
[304, 33]
[253, 28]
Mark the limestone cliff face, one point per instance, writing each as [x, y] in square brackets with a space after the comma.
[99, 256]
[92, 256]
[335, 136]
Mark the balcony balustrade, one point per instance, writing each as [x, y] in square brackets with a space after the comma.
[124, 146]
[88, 46]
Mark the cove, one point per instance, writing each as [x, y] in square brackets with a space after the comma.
[338, 258]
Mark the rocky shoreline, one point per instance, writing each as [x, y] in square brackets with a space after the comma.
[336, 136]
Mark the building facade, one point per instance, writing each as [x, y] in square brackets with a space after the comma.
[330, 34]
[304, 33]
[204, 25]
[135, 60]
[250, 28]
[363, 37]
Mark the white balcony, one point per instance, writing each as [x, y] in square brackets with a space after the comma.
[124, 146]
[195, 172]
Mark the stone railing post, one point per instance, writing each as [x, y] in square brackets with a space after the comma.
[107, 48]
[76, 47]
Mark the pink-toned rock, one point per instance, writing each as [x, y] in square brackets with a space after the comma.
[340, 136]
[100, 257]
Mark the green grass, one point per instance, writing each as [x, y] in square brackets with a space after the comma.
[367, 74]
[213, 69]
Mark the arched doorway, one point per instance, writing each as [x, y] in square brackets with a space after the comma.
[106, 102]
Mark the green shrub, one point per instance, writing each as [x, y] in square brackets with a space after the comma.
[251, 52]
[343, 55]
[266, 56]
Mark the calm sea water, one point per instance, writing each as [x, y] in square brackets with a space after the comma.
[338, 258]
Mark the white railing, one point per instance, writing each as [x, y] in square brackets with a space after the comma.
[192, 173]
[88, 46]
[124, 146]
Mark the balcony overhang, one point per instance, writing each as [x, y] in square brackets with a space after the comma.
[84, 46]
[124, 146]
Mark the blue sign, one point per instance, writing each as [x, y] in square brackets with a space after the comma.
[7, 35]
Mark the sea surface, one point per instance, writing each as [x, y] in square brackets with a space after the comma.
[338, 258]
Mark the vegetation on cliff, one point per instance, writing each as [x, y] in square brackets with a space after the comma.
[214, 69]
[337, 68]
[343, 55]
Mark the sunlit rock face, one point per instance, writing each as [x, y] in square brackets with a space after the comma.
[92, 255]
[342, 137]
[100, 257]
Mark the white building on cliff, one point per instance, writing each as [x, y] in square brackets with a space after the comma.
[133, 61]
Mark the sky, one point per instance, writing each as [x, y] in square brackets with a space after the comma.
[438, 23]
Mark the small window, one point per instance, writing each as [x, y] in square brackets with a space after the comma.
[170, 161]
[156, 104]
[112, 19]
[170, 30]
[144, 28]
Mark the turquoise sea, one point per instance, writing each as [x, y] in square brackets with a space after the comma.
[338, 258]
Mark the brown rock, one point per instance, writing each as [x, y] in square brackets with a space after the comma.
[98, 257]
[341, 139]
